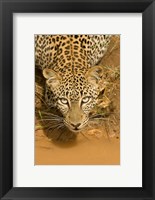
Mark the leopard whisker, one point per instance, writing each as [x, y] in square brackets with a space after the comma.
[38, 95]
[44, 119]
[97, 116]
[51, 125]
[59, 126]
[51, 114]
[49, 117]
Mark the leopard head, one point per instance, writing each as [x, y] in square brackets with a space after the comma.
[74, 94]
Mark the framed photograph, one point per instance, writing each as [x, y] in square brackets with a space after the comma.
[77, 99]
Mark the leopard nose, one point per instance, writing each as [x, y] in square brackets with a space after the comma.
[76, 125]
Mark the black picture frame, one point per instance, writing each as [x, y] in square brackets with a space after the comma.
[7, 8]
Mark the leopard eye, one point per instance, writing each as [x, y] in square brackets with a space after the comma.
[63, 101]
[86, 99]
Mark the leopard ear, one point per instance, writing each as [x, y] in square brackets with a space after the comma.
[94, 75]
[53, 79]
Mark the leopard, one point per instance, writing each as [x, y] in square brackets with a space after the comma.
[70, 67]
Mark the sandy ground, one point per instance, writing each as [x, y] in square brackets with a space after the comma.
[83, 151]
[97, 146]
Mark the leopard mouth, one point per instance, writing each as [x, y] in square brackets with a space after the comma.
[72, 129]
[76, 129]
